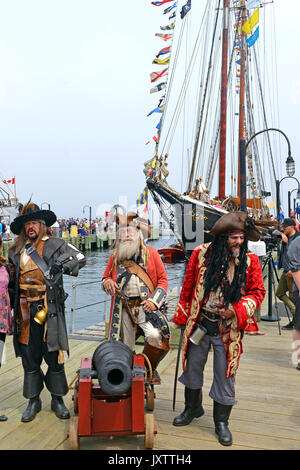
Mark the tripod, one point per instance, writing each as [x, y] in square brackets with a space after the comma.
[271, 285]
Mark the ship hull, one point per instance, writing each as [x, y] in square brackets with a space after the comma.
[191, 219]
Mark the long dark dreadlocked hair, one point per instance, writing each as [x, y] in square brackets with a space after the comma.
[217, 263]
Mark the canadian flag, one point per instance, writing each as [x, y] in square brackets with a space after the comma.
[12, 181]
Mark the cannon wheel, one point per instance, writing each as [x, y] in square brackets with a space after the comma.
[73, 433]
[149, 431]
[150, 397]
[75, 401]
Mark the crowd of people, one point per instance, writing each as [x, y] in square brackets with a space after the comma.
[73, 227]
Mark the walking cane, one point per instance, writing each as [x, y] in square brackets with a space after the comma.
[177, 367]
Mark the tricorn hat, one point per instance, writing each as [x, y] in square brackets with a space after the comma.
[132, 218]
[236, 221]
[31, 211]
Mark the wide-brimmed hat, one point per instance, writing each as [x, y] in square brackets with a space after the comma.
[132, 218]
[31, 211]
[236, 221]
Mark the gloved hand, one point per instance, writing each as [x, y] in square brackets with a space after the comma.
[56, 268]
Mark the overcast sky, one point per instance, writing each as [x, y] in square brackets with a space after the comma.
[74, 96]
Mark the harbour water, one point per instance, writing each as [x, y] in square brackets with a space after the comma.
[92, 305]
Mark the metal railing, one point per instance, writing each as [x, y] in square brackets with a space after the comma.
[106, 300]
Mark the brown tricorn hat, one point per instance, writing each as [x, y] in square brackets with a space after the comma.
[132, 218]
[236, 221]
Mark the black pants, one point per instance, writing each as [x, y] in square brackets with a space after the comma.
[32, 355]
[36, 350]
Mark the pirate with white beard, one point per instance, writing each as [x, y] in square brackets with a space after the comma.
[136, 279]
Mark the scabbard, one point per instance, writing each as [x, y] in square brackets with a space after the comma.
[24, 310]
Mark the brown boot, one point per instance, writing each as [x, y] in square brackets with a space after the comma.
[155, 355]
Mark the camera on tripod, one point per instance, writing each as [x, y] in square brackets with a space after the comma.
[271, 239]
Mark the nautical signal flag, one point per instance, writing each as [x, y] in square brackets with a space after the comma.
[167, 10]
[155, 75]
[169, 26]
[252, 21]
[163, 51]
[185, 9]
[161, 61]
[12, 181]
[164, 37]
[159, 109]
[162, 2]
[253, 38]
[158, 87]
[143, 198]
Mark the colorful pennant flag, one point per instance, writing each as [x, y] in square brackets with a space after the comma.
[253, 38]
[169, 26]
[158, 4]
[155, 75]
[153, 138]
[163, 51]
[159, 109]
[252, 21]
[185, 9]
[161, 61]
[159, 124]
[167, 10]
[143, 198]
[164, 37]
[158, 87]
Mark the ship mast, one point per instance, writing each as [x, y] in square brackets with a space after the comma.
[222, 159]
[242, 87]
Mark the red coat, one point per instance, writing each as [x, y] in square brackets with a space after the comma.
[191, 299]
[155, 270]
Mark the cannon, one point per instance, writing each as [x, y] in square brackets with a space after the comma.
[113, 361]
[109, 396]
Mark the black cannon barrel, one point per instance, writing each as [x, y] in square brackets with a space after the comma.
[113, 361]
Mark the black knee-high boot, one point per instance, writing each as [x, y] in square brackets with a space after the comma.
[193, 407]
[221, 415]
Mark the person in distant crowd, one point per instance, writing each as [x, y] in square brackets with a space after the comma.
[222, 288]
[136, 270]
[297, 225]
[285, 285]
[294, 260]
[5, 308]
[40, 261]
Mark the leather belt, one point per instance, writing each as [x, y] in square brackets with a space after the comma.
[134, 302]
[33, 293]
[210, 315]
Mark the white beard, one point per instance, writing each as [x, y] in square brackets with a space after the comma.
[128, 249]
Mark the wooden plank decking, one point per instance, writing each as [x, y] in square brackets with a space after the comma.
[267, 415]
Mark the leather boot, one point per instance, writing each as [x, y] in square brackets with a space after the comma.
[58, 406]
[155, 355]
[193, 407]
[33, 407]
[221, 415]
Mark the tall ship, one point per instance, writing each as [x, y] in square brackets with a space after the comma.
[215, 79]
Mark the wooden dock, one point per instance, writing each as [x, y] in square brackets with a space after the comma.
[267, 415]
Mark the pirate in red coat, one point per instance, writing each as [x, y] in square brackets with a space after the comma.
[136, 279]
[222, 289]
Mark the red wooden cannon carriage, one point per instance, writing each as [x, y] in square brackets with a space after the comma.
[107, 410]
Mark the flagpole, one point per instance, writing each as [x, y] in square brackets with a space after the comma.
[242, 86]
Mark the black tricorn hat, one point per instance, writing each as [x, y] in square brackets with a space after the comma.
[31, 211]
